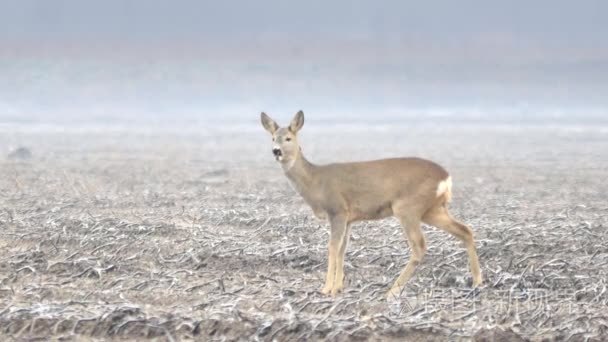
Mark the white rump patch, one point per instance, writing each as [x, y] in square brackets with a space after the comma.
[444, 186]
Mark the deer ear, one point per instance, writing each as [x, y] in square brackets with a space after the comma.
[297, 122]
[268, 123]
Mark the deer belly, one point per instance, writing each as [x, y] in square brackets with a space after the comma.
[371, 212]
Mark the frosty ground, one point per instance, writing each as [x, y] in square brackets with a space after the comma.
[122, 232]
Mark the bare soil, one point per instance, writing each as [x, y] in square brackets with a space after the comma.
[177, 233]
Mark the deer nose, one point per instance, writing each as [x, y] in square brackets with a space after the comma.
[276, 151]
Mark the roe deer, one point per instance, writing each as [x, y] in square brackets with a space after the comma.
[413, 190]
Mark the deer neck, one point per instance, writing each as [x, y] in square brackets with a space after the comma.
[300, 172]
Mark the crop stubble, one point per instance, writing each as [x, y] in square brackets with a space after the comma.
[195, 233]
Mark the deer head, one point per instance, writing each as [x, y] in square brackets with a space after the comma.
[285, 146]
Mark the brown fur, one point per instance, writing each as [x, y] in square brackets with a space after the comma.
[410, 189]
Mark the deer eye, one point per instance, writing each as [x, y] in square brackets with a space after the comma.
[288, 139]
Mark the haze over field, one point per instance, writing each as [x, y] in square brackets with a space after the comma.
[201, 60]
[140, 196]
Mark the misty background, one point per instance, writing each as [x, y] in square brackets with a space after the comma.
[190, 61]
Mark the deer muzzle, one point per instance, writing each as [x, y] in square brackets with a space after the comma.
[277, 153]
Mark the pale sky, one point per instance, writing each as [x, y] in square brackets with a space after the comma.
[273, 53]
[547, 22]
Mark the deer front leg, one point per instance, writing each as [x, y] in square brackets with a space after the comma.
[335, 262]
[339, 282]
[331, 270]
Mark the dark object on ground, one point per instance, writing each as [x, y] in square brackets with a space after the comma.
[498, 335]
[21, 153]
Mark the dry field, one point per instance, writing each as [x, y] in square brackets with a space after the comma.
[180, 233]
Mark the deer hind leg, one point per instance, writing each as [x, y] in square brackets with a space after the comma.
[334, 281]
[440, 217]
[415, 237]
